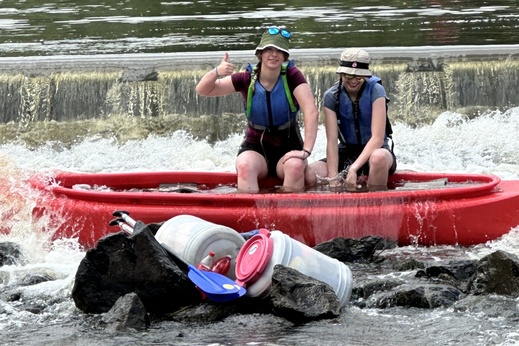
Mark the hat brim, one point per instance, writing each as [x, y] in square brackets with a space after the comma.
[258, 49]
[354, 71]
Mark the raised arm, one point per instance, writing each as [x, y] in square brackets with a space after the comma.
[217, 82]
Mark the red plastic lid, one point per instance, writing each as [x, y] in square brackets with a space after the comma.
[253, 257]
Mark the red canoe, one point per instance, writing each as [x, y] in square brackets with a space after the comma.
[469, 209]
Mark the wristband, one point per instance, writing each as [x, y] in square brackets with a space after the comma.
[308, 152]
[216, 71]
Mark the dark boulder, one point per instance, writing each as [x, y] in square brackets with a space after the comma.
[498, 273]
[300, 298]
[127, 312]
[352, 250]
[122, 264]
[10, 254]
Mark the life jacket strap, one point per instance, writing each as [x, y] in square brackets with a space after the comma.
[250, 91]
[278, 128]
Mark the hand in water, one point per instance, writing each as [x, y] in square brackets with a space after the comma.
[336, 182]
[351, 178]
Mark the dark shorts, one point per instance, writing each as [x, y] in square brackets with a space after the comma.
[348, 155]
[272, 145]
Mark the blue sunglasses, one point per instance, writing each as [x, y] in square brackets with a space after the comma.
[274, 30]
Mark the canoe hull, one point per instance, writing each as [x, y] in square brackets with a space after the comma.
[462, 215]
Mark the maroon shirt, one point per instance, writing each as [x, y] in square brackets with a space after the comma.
[271, 145]
[241, 81]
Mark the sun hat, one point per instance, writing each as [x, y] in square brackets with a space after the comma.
[277, 41]
[355, 61]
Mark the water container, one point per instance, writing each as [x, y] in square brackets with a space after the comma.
[222, 265]
[207, 262]
[192, 238]
[258, 256]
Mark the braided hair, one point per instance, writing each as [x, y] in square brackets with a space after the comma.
[256, 70]
[338, 95]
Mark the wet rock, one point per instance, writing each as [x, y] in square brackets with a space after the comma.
[492, 306]
[13, 296]
[498, 273]
[406, 264]
[209, 311]
[428, 296]
[34, 279]
[352, 250]
[300, 298]
[120, 264]
[10, 254]
[368, 289]
[460, 274]
[127, 312]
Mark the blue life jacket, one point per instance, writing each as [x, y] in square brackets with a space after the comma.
[275, 109]
[358, 130]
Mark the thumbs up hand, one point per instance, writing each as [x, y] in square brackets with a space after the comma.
[225, 68]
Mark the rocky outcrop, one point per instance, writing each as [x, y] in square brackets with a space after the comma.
[130, 278]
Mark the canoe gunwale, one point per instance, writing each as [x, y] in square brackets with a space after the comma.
[63, 185]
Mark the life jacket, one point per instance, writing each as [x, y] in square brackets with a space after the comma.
[274, 110]
[357, 130]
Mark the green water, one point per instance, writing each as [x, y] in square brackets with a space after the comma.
[32, 27]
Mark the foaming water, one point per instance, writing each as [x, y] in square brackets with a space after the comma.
[453, 143]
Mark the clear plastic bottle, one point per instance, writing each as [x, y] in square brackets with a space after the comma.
[222, 265]
[207, 262]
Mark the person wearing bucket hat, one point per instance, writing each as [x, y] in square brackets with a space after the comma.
[273, 92]
[357, 128]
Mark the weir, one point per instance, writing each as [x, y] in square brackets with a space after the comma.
[421, 82]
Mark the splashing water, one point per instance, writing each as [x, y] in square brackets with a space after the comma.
[453, 143]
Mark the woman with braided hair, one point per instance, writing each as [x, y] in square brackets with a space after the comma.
[273, 92]
[357, 127]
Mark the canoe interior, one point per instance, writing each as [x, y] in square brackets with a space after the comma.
[148, 187]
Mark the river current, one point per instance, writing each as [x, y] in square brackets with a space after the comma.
[451, 142]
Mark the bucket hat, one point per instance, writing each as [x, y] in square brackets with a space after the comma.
[274, 37]
[355, 61]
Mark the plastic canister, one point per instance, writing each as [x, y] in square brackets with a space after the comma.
[192, 238]
[258, 256]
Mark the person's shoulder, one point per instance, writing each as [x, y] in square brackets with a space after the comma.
[244, 74]
[240, 79]
[332, 89]
[293, 70]
[295, 76]
[379, 88]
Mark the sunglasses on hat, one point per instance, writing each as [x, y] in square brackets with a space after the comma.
[274, 30]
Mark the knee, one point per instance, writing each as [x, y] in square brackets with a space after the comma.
[295, 166]
[245, 169]
[380, 159]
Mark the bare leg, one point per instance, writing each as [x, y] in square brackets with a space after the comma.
[380, 162]
[293, 173]
[314, 170]
[250, 166]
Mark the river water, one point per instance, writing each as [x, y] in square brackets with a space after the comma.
[451, 142]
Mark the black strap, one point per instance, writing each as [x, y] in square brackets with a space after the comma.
[355, 64]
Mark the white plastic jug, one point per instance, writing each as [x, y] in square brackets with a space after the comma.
[192, 238]
[258, 256]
